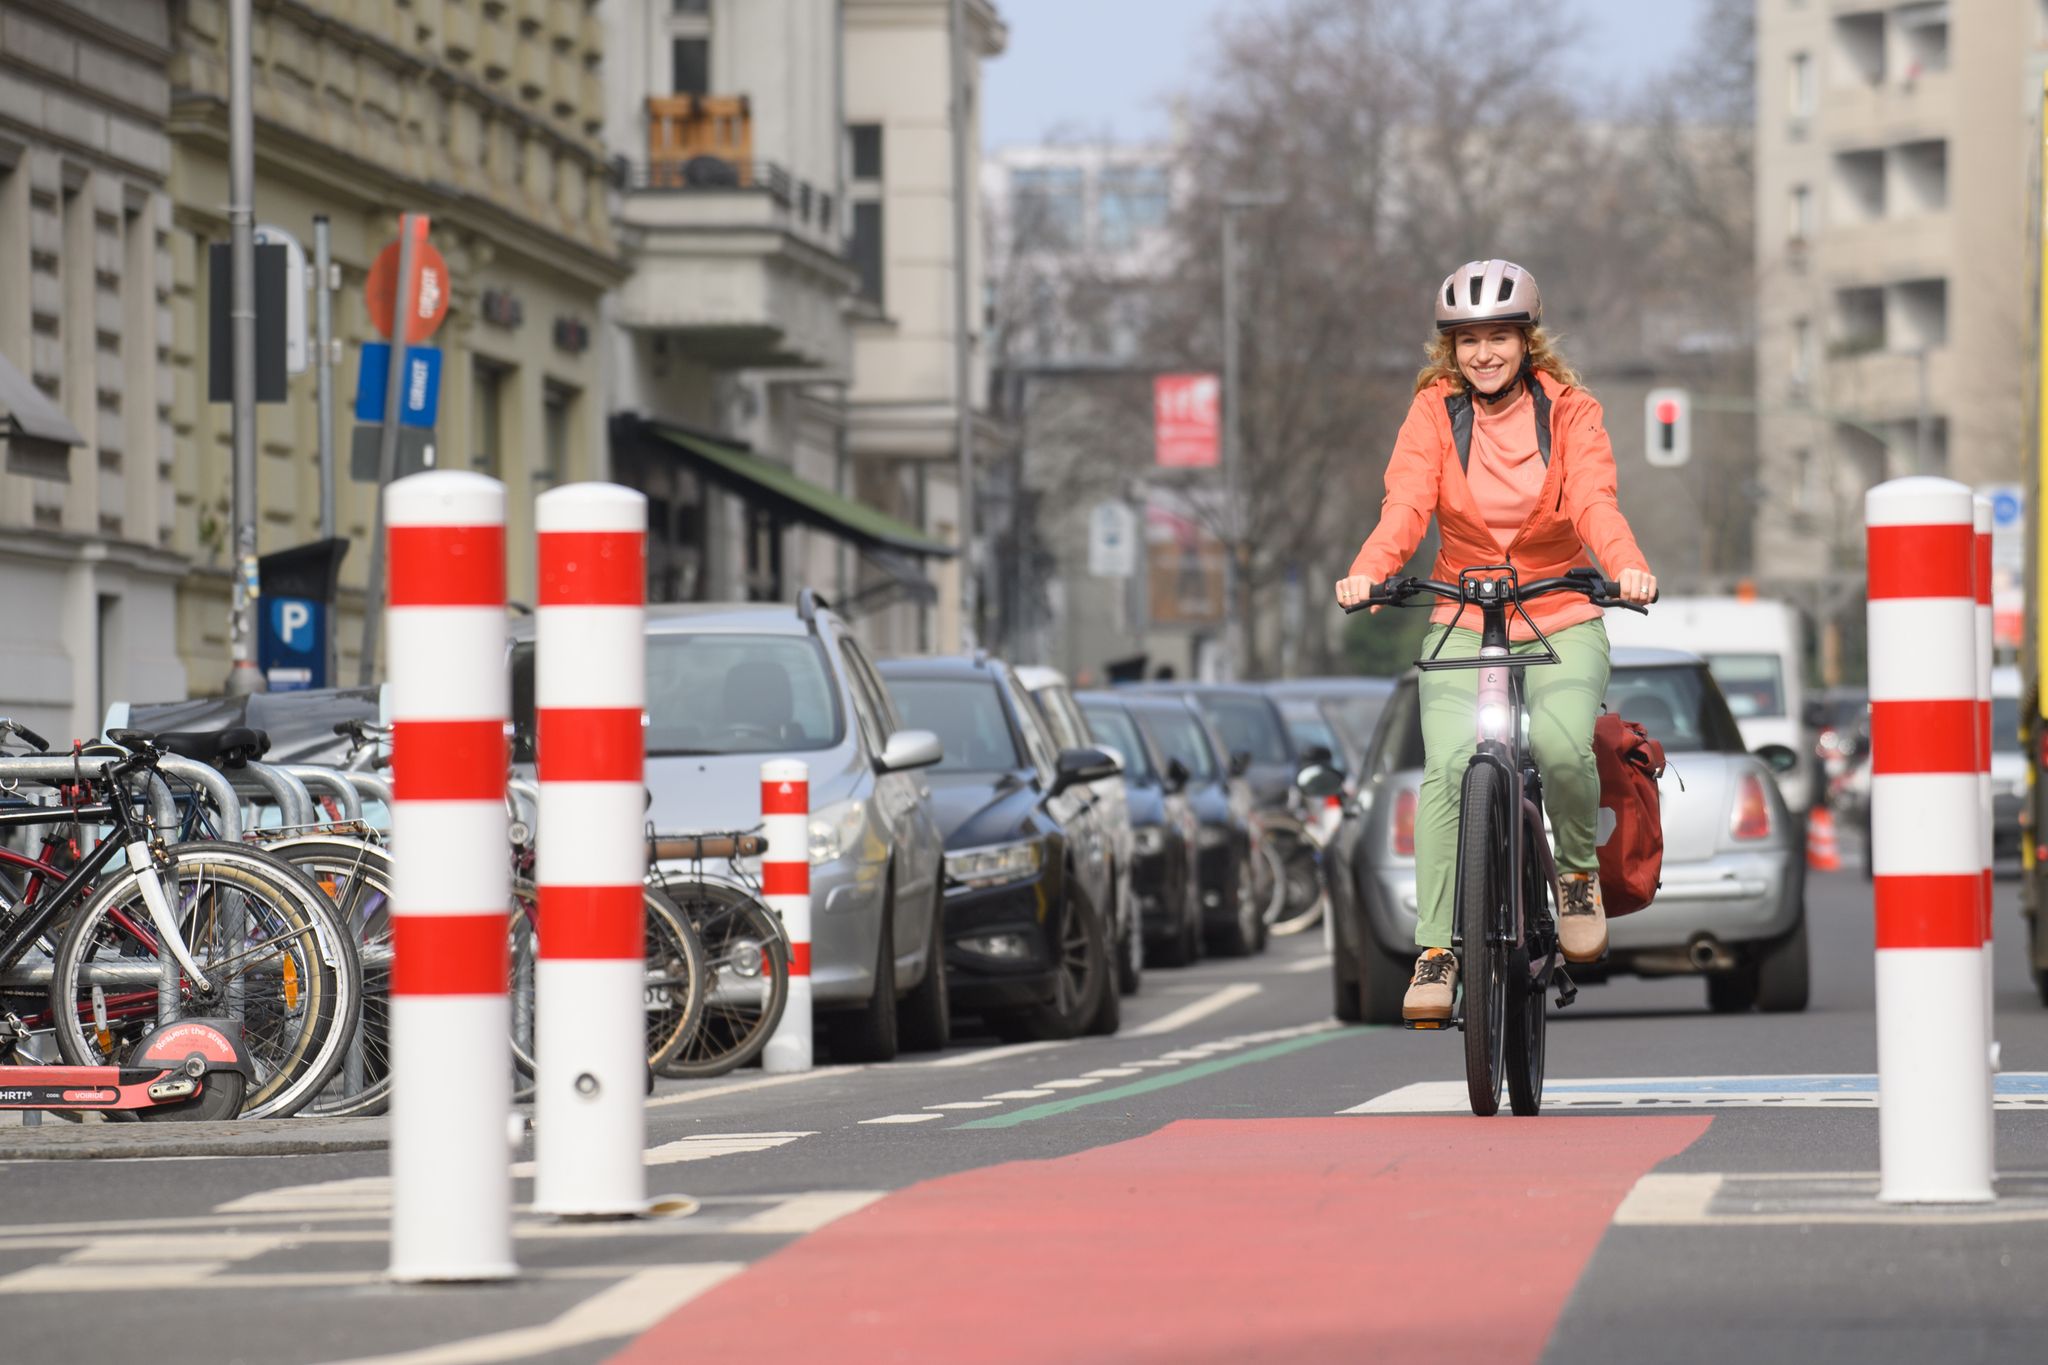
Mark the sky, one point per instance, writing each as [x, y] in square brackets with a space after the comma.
[1101, 68]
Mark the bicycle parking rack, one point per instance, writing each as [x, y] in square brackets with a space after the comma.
[330, 780]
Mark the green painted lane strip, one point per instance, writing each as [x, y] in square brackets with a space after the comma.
[1162, 1080]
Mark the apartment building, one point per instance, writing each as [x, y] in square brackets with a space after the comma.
[1894, 150]
[86, 555]
[486, 115]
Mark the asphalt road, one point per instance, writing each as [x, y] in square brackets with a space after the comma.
[1193, 1189]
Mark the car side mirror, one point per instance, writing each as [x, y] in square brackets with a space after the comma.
[1075, 766]
[909, 749]
[1320, 780]
[1778, 758]
[1177, 775]
[1240, 762]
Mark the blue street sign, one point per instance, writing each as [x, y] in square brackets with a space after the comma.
[2005, 507]
[291, 643]
[420, 404]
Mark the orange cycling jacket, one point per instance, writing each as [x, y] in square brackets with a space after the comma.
[1575, 511]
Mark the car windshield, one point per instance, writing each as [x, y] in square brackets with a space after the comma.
[1679, 706]
[718, 694]
[1248, 726]
[1754, 684]
[2005, 725]
[1354, 717]
[1111, 725]
[1309, 729]
[1180, 736]
[968, 717]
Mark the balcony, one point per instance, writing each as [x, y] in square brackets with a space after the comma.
[739, 263]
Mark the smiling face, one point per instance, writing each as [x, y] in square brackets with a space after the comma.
[1489, 354]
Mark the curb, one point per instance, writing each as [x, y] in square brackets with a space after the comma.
[62, 1141]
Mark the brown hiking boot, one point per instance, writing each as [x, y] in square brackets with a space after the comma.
[1430, 991]
[1582, 919]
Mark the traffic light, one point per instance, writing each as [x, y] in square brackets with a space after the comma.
[1667, 427]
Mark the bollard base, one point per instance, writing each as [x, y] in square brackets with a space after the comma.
[656, 1206]
[488, 1273]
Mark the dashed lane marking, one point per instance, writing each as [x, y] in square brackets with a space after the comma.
[1070, 1083]
[1213, 1003]
[2012, 1090]
[1318, 963]
[967, 1104]
[746, 1087]
[988, 1054]
[1020, 1094]
[1113, 1071]
[904, 1118]
[696, 1147]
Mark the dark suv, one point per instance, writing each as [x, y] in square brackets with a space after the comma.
[1027, 873]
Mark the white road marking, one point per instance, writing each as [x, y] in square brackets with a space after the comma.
[1213, 1003]
[1811, 1199]
[1667, 1201]
[967, 1104]
[626, 1309]
[905, 1118]
[1319, 963]
[1019, 1095]
[1154, 1062]
[1109, 1071]
[369, 1194]
[988, 1054]
[696, 1147]
[1070, 1083]
[745, 1087]
[806, 1213]
[2013, 1090]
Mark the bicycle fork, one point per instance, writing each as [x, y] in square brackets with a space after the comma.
[142, 858]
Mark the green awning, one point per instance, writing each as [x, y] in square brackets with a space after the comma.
[795, 498]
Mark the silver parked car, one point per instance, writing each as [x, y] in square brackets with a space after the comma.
[732, 685]
[1732, 903]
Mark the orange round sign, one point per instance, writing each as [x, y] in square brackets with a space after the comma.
[429, 291]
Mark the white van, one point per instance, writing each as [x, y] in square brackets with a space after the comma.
[1757, 651]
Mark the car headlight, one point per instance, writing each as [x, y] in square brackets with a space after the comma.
[998, 865]
[834, 830]
[1148, 839]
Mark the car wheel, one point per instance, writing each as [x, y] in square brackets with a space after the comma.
[1783, 980]
[1732, 992]
[1185, 944]
[1382, 981]
[1082, 974]
[1130, 950]
[1240, 938]
[1346, 1003]
[869, 1034]
[924, 1021]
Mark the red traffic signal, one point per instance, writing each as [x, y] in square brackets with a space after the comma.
[1667, 427]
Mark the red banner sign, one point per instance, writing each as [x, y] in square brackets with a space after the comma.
[1186, 423]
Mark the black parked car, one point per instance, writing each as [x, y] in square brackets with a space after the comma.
[1232, 920]
[1026, 875]
[1164, 832]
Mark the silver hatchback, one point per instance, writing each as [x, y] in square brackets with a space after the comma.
[732, 685]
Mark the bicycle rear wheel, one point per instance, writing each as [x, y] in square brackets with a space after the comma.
[1528, 1014]
[1483, 965]
[746, 977]
[356, 877]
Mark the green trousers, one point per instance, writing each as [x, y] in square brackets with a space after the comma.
[1563, 700]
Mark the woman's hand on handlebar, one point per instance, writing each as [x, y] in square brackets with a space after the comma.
[1638, 586]
[1352, 592]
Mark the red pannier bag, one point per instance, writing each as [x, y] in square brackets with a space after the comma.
[1631, 816]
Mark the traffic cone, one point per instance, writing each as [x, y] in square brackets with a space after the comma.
[1823, 854]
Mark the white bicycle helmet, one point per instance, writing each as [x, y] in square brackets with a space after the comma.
[1488, 291]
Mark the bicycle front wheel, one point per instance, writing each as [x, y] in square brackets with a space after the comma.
[1527, 1010]
[276, 961]
[746, 977]
[1482, 901]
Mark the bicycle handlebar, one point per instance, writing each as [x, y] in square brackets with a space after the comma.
[1601, 592]
[27, 736]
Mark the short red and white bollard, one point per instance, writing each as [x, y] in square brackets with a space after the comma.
[786, 883]
[1934, 1081]
[590, 695]
[451, 1184]
[1981, 577]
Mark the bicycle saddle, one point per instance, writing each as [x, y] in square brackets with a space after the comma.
[228, 748]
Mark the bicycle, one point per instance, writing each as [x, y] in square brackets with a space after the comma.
[746, 951]
[1507, 889]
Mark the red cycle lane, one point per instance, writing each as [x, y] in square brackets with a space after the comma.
[1335, 1239]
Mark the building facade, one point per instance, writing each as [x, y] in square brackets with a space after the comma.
[486, 116]
[1894, 150]
[87, 553]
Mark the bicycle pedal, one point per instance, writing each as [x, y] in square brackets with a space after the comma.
[1566, 991]
[1426, 1025]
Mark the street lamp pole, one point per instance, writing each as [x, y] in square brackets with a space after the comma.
[1234, 626]
[963, 356]
[243, 675]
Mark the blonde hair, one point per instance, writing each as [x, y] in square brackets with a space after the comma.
[1440, 359]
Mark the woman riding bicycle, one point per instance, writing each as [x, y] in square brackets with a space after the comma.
[1508, 453]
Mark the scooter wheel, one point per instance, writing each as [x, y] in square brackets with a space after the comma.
[220, 1097]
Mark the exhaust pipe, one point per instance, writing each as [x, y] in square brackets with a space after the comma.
[1706, 954]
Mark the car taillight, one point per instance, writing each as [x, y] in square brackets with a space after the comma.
[1333, 802]
[1404, 823]
[1752, 818]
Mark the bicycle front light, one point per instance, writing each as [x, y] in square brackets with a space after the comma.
[1493, 721]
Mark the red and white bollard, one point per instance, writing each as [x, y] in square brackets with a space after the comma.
[786, 883]
[1980, 562]
[1934, 1081]
[451, 1185]
[590, 695]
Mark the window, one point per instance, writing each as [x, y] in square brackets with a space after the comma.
[487, 417]
[1859, 49]
[1112, 728]
[1802, 85]
[866, 679]
[1916, 315]
[1859, 320]
[1923, 38]
[1679, 706]
[1059, 723]
[1919, 176]
[1802, 350]
[1180, 737]
[1801, 224]
[1754, 684]
[1048, 204]
[872, 727]
[1247, 726]
[1130, 202]
[1805, 496]
[866, 249]
[1859, 186]
[558, 432]
[691, 66]
[763, 556]
[867, 150]
[967, 715]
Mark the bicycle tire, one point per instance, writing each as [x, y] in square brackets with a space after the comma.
[746, 977]
[1481, 966]
[675, 957]
[294, 1032]
[355, 875]
[1301, 875]
[1528, 1012]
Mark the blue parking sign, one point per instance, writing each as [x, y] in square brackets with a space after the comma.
[419, 403]
[291, 643]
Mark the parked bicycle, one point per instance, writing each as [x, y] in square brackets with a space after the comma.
[746, 951]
